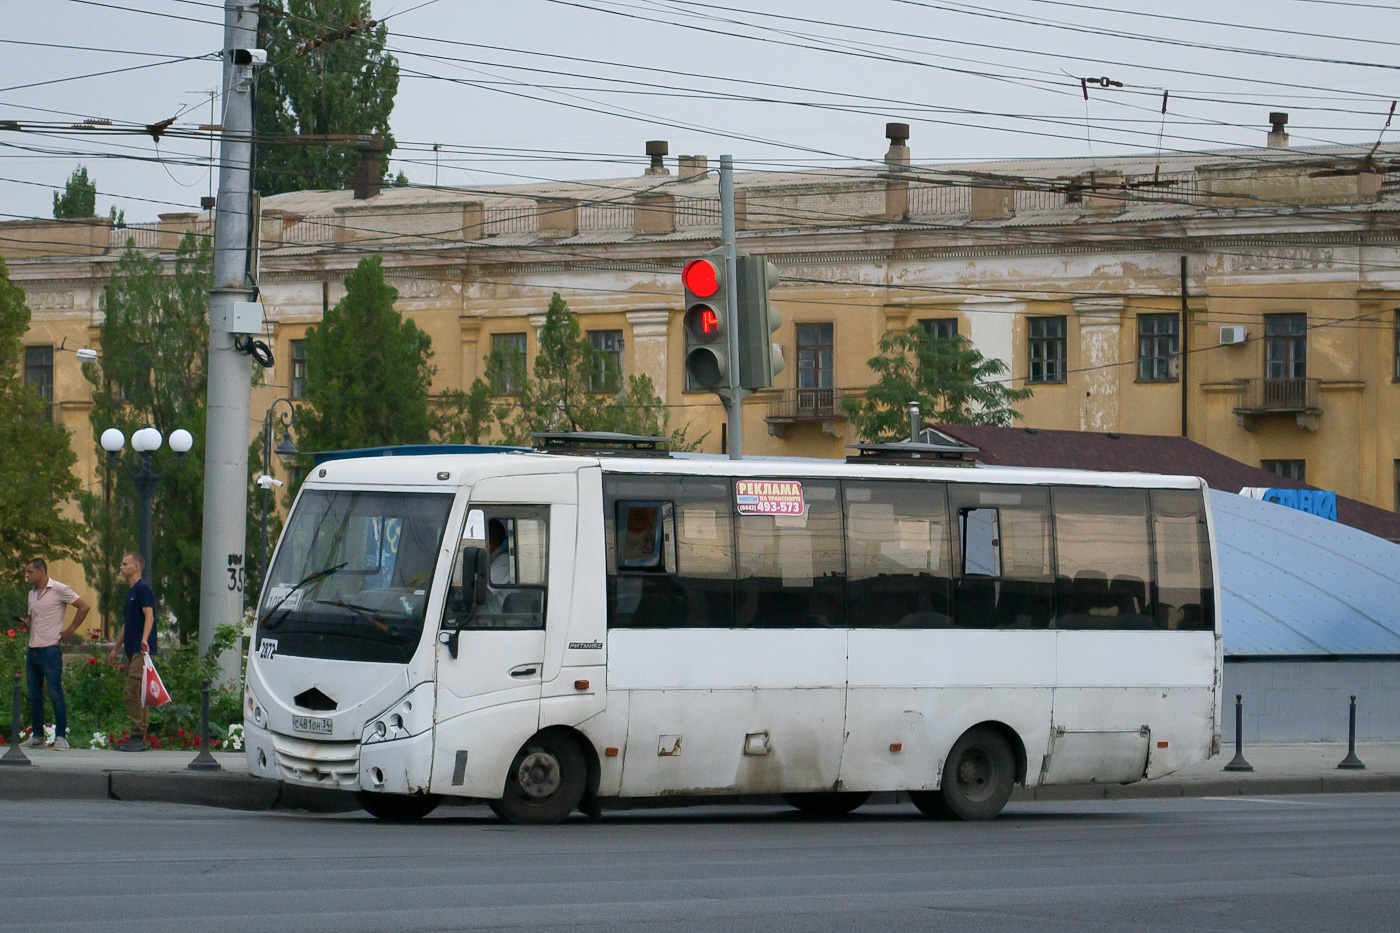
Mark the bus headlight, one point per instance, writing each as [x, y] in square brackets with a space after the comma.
[255, 711]
[410, 715]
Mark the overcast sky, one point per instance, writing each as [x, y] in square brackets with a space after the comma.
[522, 90]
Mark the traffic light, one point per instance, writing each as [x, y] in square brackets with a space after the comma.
[708, 317]
[760, 359]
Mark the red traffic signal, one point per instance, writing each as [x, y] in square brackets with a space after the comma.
[702, 322]
[700, 278]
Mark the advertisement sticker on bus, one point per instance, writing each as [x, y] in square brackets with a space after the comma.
[769, 497]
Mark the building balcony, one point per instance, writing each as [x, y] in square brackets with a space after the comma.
[797, 406]
[1256, 398]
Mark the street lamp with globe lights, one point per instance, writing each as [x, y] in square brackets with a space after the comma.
[286, 451]
[145, 441]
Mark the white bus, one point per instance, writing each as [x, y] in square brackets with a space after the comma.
[544, 632]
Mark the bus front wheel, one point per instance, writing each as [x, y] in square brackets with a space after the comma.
[545, 782]
[977, 779]
[398, 808]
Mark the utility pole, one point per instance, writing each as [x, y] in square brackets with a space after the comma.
[733, 400]
[230, 369]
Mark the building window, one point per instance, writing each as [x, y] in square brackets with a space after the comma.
[940, 328]
[297, 355]
[815, 357]
[38, 372]
[1047, 349]
[1397, 345]
[1158, 348]
[506, 367]
[1288, 469]
[1285, 346]
[607, 361]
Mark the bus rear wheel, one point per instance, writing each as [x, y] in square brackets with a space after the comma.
[545, 782]
[398, 808]
[977, 779]
[826, 803]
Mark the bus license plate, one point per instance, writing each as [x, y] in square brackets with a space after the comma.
[316, 725]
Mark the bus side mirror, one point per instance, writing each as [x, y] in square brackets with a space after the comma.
[475, 570]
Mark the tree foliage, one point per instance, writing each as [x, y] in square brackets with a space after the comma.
[79, 198]
[950, 379]
[368, 374]
[569, 389]
[344, 85]
[36, 458]
[152, 371]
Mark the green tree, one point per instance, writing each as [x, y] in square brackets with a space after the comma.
[949, 378]
[36, 460]
[467, 416]
[79, 198]
[568, 389]
[155, 346]
[342, 83]
[368, 374]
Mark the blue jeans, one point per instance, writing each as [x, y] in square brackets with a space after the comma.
[40, 665]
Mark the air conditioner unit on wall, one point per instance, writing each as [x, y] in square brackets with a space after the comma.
[1233, 334]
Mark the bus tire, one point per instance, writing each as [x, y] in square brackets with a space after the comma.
[545, 782]
[398, 808]
[977, 778]
[827, 803]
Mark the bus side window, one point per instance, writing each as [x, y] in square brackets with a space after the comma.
[517, 541]
[897, 554]
[1183, 585]
[1103, 559]
[981, 542]
[1005, 575]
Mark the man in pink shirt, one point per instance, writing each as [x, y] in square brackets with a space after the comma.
[48, 604]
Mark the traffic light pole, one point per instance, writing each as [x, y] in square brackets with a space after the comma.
[230, 370]
[734, 396]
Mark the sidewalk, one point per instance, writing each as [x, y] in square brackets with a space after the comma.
[82, 774]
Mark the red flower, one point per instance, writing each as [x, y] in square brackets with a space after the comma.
[92, 660]
[180, 732]
[196, 741]
[10, 632]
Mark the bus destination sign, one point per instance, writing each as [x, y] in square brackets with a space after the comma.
[768, 497]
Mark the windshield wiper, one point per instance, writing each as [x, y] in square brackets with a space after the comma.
[318, 575]
[353, 609]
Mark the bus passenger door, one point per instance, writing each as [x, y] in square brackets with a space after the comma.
[489, 681]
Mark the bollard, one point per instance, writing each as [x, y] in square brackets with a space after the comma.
[1351, 762]
[204, 761]
[1238, 763]
[15, 755]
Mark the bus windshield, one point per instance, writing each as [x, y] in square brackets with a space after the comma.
[353, 575]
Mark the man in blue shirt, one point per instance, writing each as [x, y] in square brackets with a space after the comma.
[137, 638]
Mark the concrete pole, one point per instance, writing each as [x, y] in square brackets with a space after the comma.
[230, 370]
[733, 402]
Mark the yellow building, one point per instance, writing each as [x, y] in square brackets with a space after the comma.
[1245, 298]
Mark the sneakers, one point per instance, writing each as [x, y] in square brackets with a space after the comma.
[133, 745]
[33, 742]
[60, 743]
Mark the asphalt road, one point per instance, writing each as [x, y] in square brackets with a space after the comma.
[1316, 863]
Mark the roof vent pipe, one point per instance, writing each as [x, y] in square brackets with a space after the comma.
[1278, 136]
[657, 149]
[916, 422]
[898, 135]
